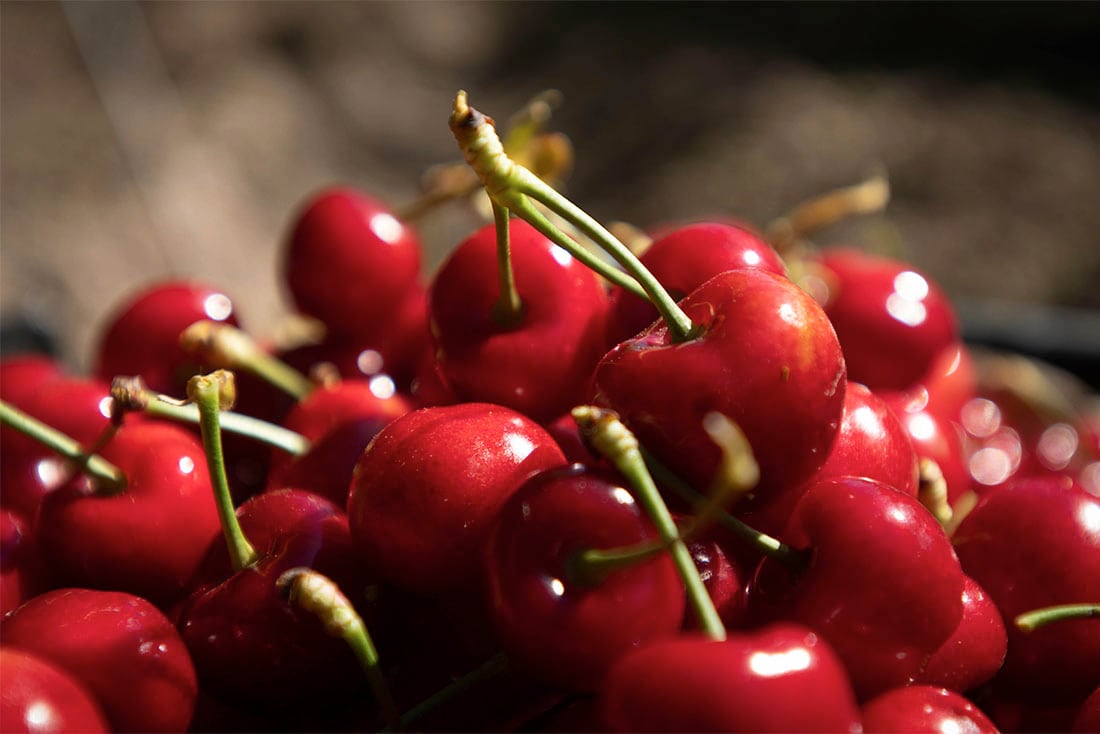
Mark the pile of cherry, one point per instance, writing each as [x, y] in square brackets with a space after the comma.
[548, 490]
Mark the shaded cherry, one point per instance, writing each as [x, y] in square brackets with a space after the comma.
[552, 621]
[349, 262]
[22, 374]
[22, 571]
[780, 678]
[976, 650]
[892, 320]
[538, 360]
[1087, 718]
[39, 697]
[123, 649]
[427, 487]
[142, 337]
[924, 709]
[881, 582]
[765, 356]
[684, 258]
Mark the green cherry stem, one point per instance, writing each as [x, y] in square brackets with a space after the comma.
[320, 596]
[591, 566]
[492, 667]
[608, 435]
[108, 477]
[130, 394]
[510, 184]
[227, 347]
[1036, 618]
[210, 393]
[508, 310]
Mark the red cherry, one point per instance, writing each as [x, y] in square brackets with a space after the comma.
[924, 709]
[881, 584]
[22, 572]
[1033, 543]
[892, 321]
[147, 539]
[767, 358]
[781, 678]
[142, 338]
[951, 381]
[539, 366]
[428, 485]
[119, 646]
[38, 696]
[936, 438]
[976, 650]
[682, 260]
[551, 624]
[21, 375]
[725, 576]
[1088, 716]
[349, 262]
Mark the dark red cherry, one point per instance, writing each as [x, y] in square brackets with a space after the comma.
[119, 646]
[924, 709]
[976, 650]
[552, 624]
[540, 365]
[1033, 543]
[39, 697]
[147, 539]
[1088, 716]
[427, 487]
[892, 321]
[682, 260]
[349, 262]
[781, 678]
[22, 571]
[881, 582]
[142, 337]
[766, 357]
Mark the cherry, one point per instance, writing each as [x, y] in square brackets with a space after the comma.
[1088, 716]
[976, 650]
[554, 623]
[950, 382]
[725, 576]
[142, 338]
[39, 696]
[147, 538]
[924, 709]
[22, 572]
[1033, 543]
[936, 438]
[881, 582]
[21, 375]
[892, 321]
[428, 485]
[684, 258]
[350, 263]
[120, 647]
[765, 356]
[780, 678]
[535, 356]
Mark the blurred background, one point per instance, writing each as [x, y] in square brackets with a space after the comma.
[146, 140]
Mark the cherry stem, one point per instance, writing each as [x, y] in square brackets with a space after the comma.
[793, 558]
[109, 478]
[131, 395]
[590, 567]
[508, 310]
[932, 491]
[492, 667]
[227, 347]
[210, 393]
[320, 596]
[509, 184]
[816, 214]
[1036, 618]
[612, 439]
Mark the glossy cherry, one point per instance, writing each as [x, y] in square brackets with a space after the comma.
[349, 262]
[780, 678]
[554, 625]
[142, 337]
[684, 258]
[1034, 543]
[147, 539]
[39, 697]
[881, 582]
[541, 364]
[924, 709]
[766, 357]
[936, 438]
[976, 650]
[124, 650]
[429, 484]
[951, 381]
[892, 320]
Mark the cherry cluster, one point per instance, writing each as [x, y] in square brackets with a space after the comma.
[712, 480]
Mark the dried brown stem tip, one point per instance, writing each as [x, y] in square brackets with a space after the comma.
[128, 395]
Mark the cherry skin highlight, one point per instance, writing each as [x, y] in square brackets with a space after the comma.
[39, 697]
